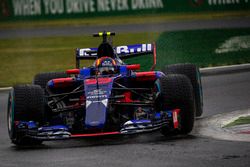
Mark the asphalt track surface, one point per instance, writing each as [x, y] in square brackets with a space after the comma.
[157, 27]
[222, 93]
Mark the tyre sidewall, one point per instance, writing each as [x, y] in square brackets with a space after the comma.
[193, 73]
[24, 104]
[11, 115]
[177, 93]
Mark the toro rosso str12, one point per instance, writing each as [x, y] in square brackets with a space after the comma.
[107, 98]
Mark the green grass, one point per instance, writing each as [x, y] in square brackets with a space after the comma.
[21, 59]
[198, 47]
[128, 19]
[239, 121]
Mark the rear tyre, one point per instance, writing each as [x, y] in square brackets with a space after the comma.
[43, 78]
[176, 92]
[193, 73]
[26, 103]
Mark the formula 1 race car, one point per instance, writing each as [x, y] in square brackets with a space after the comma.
[107, 98]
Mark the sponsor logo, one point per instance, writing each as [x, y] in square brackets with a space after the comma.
[120, 50]
[130, 49]
[87, 52]
[97, 92]
[59, 7]
[96, 97]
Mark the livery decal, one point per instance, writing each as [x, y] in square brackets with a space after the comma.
[119, 50]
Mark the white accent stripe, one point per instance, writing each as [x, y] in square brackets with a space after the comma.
[144, 47]
[149, 47]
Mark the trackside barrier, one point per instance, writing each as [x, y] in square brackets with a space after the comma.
[53, 9]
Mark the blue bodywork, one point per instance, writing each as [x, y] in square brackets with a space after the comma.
[97, 94]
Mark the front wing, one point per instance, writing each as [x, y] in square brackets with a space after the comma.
[59, 132]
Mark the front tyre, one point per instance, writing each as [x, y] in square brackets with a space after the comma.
[25, 103]
[176, 92]
[193, 73]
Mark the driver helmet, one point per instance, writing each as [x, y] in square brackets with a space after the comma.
[105, 65]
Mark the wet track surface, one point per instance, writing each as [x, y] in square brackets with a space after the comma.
[222, 93]
[157, 27]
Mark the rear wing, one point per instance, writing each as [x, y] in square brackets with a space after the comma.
[123, 52]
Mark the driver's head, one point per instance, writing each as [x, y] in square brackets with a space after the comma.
[106, 65]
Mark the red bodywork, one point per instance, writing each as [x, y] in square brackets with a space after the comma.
[63, 82]
[95, 134]
[146, 76]
[100, 81]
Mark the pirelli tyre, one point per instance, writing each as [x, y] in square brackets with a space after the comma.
[193, 73]
[176, 92]
[43, 78]
[26, 103]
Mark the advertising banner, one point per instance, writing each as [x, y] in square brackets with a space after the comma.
[49, 9]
